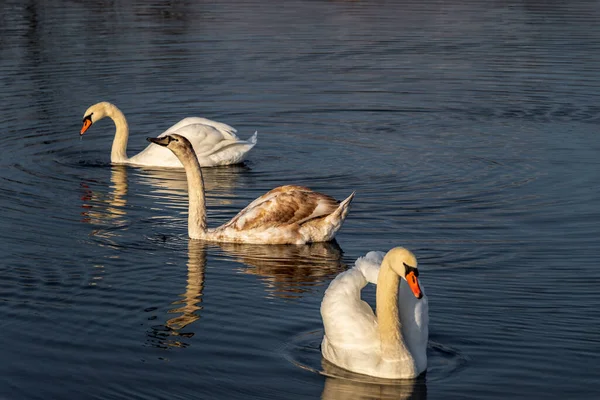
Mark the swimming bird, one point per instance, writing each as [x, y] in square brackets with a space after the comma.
[215, 143]
[391, 343]
[285, 215]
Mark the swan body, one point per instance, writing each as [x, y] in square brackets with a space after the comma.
[285, 215]
[391, 343]
[215, 143]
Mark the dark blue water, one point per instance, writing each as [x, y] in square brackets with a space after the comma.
[468, 129]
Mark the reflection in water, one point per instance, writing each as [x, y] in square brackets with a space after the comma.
[289, 270]
[169, 184]
[341, 384]
[160, 335]
[101, 208]
[193, 291]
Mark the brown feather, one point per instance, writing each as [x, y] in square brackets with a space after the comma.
[284, 205]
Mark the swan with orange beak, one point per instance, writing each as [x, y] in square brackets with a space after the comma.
[215, 143]
[392, 343]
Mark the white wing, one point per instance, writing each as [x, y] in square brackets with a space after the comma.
[349, 322]
[369, 265]
[214, 143]
[225, 130]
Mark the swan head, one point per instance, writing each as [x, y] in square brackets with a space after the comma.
[404, 263]
[174, 142]
[94, 114]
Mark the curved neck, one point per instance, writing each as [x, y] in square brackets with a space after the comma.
[197, 205]
[118, 153]
[392, 342]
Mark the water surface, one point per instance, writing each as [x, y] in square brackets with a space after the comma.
[467, 129]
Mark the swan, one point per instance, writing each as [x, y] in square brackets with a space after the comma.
[391, 344]
[215, 143]
[285, 215]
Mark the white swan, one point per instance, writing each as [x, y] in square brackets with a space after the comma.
[284, 215]
[215, 143]
[390, 345]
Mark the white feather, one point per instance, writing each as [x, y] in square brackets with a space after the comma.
[352, 337]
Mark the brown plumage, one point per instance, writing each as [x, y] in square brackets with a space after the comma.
[284, 205]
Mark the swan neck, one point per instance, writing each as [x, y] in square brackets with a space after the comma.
[118, 153]
[392, 343]
[197, 203]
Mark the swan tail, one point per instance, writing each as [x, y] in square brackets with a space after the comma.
[323, 229]
[253, 139]
[334, 221]
[343, 208]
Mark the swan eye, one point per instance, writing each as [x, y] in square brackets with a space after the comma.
[88, 118]
[410, 269]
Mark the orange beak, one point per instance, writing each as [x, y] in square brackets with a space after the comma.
[413, 283]
[86, 125]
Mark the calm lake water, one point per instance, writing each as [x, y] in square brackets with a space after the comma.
[468, 129]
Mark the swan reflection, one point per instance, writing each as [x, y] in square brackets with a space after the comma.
[288, 271]
[193, 291]
[170, 185]
[345, 385]
[188, 307]
[100, 207]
